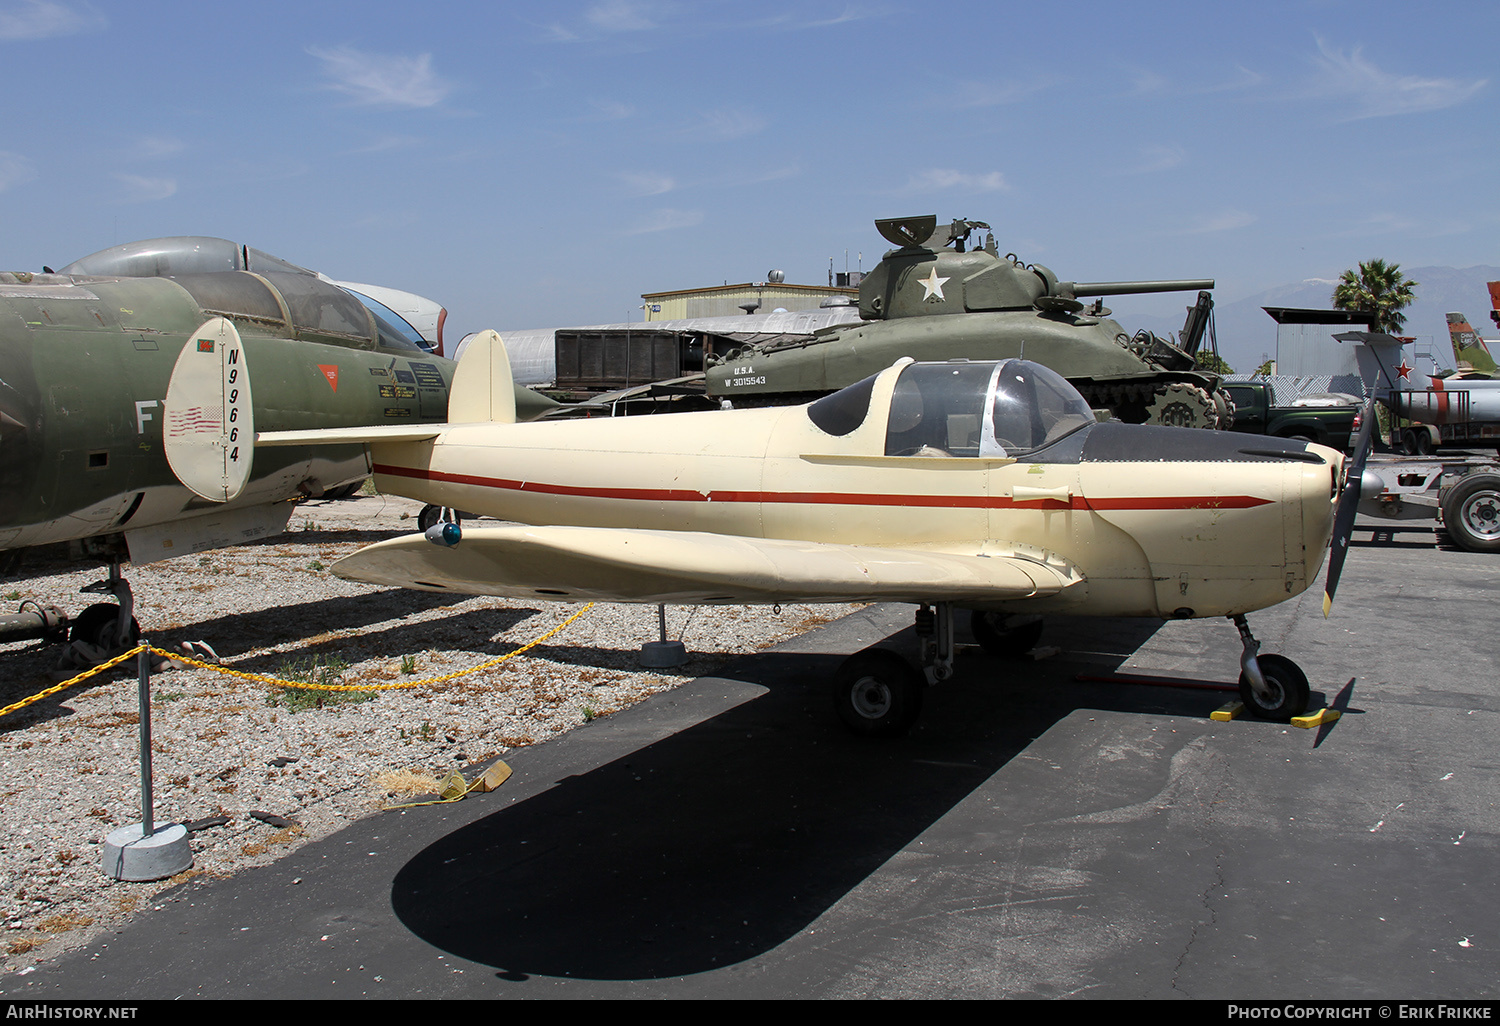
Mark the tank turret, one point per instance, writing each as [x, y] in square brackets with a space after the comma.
[936, 297]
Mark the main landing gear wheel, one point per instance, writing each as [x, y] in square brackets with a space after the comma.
[878, 693]
[431, 515]
[98, 625]
[1471, 513]
[1286, 684]
[1007, 635]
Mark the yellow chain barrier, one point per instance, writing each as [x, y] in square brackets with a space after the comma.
[85, 675]
[278, 682]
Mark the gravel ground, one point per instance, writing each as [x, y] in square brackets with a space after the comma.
[69, 772]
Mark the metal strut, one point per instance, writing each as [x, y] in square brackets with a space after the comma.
[935, 637]
[119, 587]
[1249, 664]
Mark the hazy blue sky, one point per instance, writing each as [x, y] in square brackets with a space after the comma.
[537, 164]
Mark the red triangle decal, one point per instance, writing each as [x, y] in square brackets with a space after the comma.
[331, 372]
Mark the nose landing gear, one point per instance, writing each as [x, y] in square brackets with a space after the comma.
[103, 630]
[1271, 686]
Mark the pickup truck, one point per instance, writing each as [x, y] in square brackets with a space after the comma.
[1256, 412]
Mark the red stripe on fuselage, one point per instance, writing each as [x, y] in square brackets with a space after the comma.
[1077, 502]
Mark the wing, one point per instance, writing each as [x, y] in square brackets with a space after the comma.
[691, 568]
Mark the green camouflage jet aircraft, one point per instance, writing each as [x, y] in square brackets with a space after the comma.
[98, 448]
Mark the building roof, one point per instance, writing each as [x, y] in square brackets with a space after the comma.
[1303, 315]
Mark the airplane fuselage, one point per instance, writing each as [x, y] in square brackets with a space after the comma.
[1450, 400]
[1160, 521]
[84, 372]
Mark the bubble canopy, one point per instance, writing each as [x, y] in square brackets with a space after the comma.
[963, 408]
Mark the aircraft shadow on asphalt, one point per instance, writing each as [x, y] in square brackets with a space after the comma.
[727, 838]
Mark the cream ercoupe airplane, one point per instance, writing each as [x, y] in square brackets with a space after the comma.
[980, 485]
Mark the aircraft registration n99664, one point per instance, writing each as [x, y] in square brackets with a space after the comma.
[981, 485]
[127, 417]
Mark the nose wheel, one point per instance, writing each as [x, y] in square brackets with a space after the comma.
[1271, 686]
[102, 630]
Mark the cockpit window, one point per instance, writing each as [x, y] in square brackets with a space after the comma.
[845, 410]
[319, 307]
[235, 294]
[394, 331]
[936, 409]
[981, 409]
[1034, 406]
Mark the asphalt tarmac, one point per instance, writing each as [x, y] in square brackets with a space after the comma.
[1037, 835]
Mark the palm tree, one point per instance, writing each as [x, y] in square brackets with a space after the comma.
[1377, 289]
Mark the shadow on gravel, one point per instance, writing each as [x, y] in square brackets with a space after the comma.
[27, 670]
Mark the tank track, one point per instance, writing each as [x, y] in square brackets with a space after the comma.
[1172, 403]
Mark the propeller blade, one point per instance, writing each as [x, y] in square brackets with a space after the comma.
[1343, 519]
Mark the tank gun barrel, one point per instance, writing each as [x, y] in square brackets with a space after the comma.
[1128, 288]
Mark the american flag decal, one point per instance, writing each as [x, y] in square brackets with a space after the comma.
[194, 420]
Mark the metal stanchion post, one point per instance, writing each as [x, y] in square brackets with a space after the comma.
[663, 653]
[140, 851]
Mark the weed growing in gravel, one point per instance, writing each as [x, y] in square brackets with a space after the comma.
[408, 664]
[426, 732]
[319, 669]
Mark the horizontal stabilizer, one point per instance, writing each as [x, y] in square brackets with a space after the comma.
[353, 435]
[683, 567]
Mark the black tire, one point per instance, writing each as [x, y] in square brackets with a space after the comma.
[877, 693]
[1288, 684]
[343, 491]
[1007, 635]
[96, 626]
[429, 517]
[1416, 442]
[1471, 513]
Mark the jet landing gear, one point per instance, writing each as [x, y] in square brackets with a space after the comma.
[877, 693]
[1271, 686]
[104, 629]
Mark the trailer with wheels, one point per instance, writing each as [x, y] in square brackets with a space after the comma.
[1461, 491]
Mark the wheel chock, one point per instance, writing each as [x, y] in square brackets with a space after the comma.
[493, 777]
[1225, 713]
[452, 787]
[1316, 719]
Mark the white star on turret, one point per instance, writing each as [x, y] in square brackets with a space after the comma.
[933, 284]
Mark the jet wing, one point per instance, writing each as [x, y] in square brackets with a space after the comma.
[681, 567]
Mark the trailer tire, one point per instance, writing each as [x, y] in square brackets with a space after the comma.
[1417, 442]
[1471, 513]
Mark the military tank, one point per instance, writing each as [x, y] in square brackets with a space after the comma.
[937, 298]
